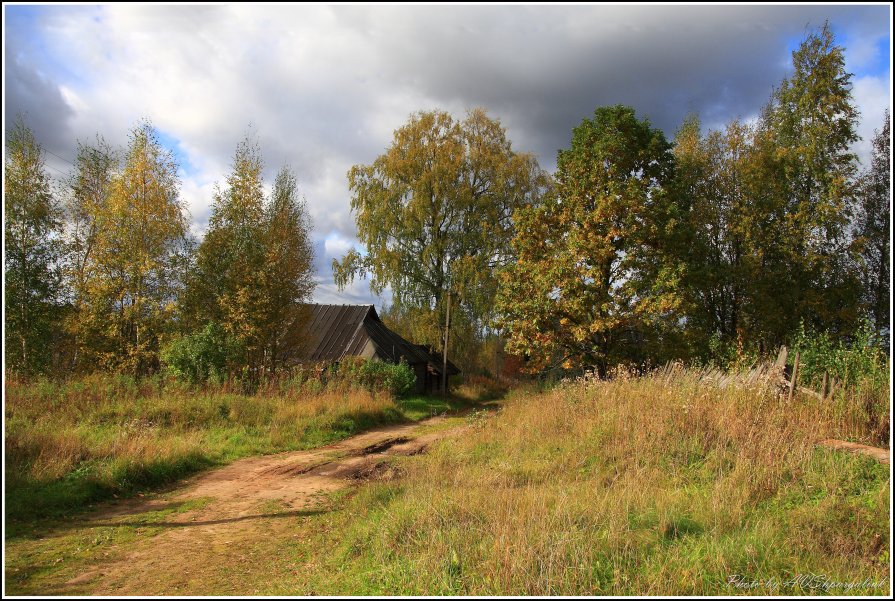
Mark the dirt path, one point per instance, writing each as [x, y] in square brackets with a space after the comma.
[239, 503]
[881, 455]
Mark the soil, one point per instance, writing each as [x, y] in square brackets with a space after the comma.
[242, 501]
[881, 455]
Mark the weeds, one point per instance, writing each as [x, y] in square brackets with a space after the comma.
[72, 443]
[643, 485]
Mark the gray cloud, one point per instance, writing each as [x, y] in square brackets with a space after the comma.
[39, 101]
[324, 87]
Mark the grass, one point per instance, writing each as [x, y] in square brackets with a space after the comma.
[72, 444]
[632, 486]
[60, 556]
[655, 485]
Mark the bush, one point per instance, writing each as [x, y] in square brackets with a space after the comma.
[202, 356]
[376, 375]
[860, 361]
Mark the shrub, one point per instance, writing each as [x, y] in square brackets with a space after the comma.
[375, 375]
[202, 356]
[860, 361]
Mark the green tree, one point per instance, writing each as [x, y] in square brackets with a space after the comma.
[131, 278]
[435, 215]
[729, 226]
[813, 121]
[592, 284]
[254, 267]
[288, 268]
[31, 231]
[227, 286]
[873, 222]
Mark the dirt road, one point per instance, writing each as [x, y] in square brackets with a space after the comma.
[231, 508]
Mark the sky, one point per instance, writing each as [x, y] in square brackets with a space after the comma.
[322, 88]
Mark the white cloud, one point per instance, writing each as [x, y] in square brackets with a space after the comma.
[325, 86]
[872, 98]
[336, 246]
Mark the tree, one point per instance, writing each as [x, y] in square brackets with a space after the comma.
[131, 278]
[435, 215]
[254, 268]
[592, 284]
[813, 122]
[226, 287]
[89, 190]
[874, 217]
[288, 267]
[730, 229]
[31, 231]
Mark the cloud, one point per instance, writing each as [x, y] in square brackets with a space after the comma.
[323, 87]
[39, 101]
[872, 96]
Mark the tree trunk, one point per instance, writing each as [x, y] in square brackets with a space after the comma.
[447, 329]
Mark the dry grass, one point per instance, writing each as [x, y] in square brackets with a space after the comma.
[68, 444]
[480, 388]
[658, 485]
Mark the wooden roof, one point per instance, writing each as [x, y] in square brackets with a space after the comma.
[336, 331]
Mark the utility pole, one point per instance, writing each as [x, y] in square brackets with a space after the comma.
[447, 329]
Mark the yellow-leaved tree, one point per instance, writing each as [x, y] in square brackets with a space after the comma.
[435, 215]
[129, 280]
[254, 269]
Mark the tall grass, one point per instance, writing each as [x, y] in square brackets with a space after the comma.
[652, 485]
[859, 362]
[856, 373]
[71, 443]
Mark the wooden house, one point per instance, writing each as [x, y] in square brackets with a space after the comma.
[332, 332]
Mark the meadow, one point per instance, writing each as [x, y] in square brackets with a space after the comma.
[72, 443]
[664, 483]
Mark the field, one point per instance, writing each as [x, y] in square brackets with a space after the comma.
[663, 484]
[73, 443]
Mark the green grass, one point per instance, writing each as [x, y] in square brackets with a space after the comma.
[71, 445]
[635, 486]
[417, 407]
[629, 487]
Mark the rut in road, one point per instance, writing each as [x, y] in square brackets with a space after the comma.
[295, 482]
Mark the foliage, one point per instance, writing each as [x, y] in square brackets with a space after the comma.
[812, 121]
[769, 220]
[591, 285]
[859, 361]
[873, 223]
[202, 356]
[714, 249]
[133, 273]
[288, 267]
[254, 267]
[724, 279]
[434, 213]
[423, 326]
[397, 379]
[89, 190]
[32, 223]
